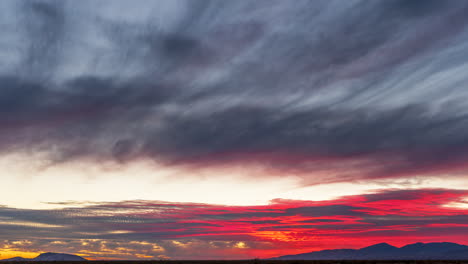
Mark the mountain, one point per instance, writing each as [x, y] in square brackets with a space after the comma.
[58, 257]
[384, 251]
[16, 259]
[50, 257]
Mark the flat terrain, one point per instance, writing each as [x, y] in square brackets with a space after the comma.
[246, 262]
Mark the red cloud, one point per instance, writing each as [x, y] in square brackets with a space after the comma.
[288, 226]
[190, 230]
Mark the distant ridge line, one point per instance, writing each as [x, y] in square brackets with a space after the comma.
[385, 251]
[49, 256]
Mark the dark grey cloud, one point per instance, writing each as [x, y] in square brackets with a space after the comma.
[44, 24]
[329, 210]
[375, 87]
[416, 221]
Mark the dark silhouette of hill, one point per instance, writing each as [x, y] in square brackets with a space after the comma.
[384, 251]
[49, 257]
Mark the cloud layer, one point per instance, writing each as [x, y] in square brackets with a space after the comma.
[140, 229]
[378, 87]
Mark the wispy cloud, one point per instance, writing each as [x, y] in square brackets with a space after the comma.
[375, 89]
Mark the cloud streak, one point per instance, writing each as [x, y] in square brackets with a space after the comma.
[374, 89]
[156, 228]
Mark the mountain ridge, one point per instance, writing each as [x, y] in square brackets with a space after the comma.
[385, 251]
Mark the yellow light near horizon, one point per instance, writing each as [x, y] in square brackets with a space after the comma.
[241, 245]
[7, 253]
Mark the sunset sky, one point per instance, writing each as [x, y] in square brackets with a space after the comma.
[208, 129]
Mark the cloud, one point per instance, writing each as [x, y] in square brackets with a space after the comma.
[341, 92]
[178, 230]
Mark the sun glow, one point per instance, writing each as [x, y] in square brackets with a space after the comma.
[282, 236]
[6, 253]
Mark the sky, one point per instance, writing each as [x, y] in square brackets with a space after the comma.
[205, 129]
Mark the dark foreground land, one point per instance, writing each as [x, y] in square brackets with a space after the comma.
[246, 262]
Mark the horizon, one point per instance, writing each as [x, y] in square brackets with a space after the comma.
[206, 129]
[382, 243]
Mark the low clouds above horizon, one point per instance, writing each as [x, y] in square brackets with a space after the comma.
[328, 90]
[157, 229]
